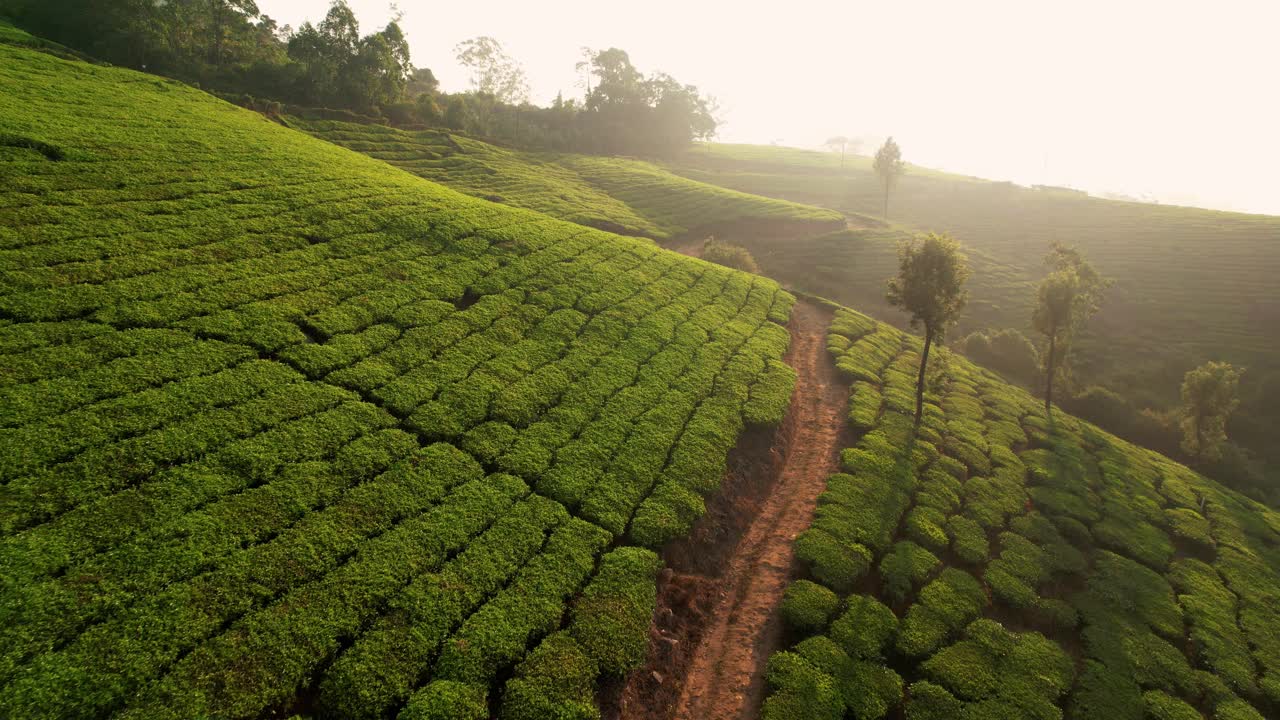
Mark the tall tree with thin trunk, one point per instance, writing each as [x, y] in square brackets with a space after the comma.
[889, 167]
[1208, 398]
[1068, 296]
[930, 286]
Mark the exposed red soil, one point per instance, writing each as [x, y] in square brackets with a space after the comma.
[716, 622]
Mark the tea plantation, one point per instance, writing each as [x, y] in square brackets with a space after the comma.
[1191, 285]
[286, 430]
[621, 195]
[999, 564]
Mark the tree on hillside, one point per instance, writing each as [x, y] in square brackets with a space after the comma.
[1006, 351]
[930, 286]
[1209, 395]
[421, 82]
[889, 167]
[839, 142]
[729, 255]
[1068, 296]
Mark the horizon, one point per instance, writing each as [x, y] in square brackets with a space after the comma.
[1003, 91]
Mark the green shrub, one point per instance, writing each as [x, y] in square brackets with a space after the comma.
[869, 690]
[729, 255]
[1191, 526]
[968, 539]
[447, 700]
[837, 564]
[924, 525]
[1009, 589]
[865, 628]
[1236, 709]
[1055, 613]
[931, 702]
[612, 616]
[807, 606]
[1124, 585]
[1165, 707]
[800, 691]
[945, 605]
[967, 669]
[905, 567]
[864, 405]
[556, 680]
[1104, 693]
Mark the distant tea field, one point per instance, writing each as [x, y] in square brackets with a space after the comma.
[622, 195]
[1190, 285]
[284, 429]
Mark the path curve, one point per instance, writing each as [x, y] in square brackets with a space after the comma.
[726, 677]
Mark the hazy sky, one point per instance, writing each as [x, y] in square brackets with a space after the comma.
[1175, 99]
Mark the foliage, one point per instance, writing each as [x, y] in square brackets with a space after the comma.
[729, 255]
[611, 618]
[1006, 351]
[1209, 396]
[627, 112]
[1067, 297]
[615, 194]
[280, 420]
[865, 629]
[889, 167]
[808, 607]
[930, 287]
[231, 46]
[556, 680]
[1159, 578]
[493, 72]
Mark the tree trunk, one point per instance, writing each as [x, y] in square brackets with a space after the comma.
[924, 364]
[1048, 386]
[886, 201]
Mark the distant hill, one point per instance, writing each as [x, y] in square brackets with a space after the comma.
[1191, 285]
[621, 195]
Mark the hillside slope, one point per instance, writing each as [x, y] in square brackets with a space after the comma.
[286, 430]
[617, 194]
[1191, 285]
[1001, 564]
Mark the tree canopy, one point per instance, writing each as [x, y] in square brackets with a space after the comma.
[230, 47]
[1067, 297]
[1209, 395]
[930, 287]
[493, 71]
[889, 167]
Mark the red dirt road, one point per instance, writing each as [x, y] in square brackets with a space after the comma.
[725, 679]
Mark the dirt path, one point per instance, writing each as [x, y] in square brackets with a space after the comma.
[725, 680]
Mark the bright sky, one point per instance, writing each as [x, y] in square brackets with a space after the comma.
[1173, 99]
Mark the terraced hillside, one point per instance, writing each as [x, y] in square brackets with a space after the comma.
[621, 195]
[1191, 285]
[999, 564]
[287, 430]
